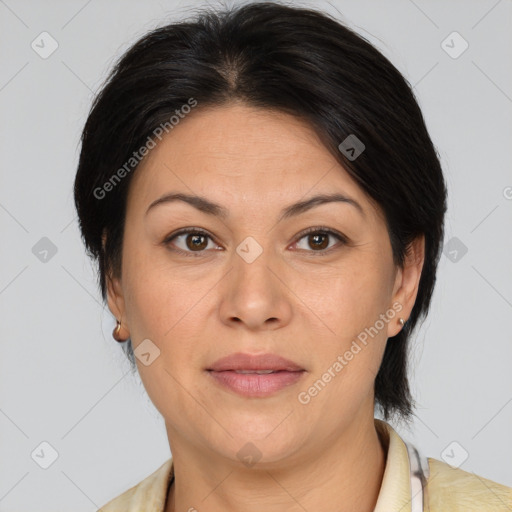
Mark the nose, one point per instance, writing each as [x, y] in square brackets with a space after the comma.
[255, 295]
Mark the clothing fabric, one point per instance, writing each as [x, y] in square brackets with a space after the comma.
[410, 481]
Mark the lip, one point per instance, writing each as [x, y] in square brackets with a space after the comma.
[241, 361]
[224, 372]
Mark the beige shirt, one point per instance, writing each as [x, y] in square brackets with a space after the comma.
[447, 489]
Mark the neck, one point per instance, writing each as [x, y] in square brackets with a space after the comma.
[345, 476]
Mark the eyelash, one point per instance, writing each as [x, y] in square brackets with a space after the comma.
[199, 231]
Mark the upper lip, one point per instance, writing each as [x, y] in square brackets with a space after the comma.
[241, 361]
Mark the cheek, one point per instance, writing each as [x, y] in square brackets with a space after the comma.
[168, 307]
[350, 354]
[348, 305]
[149, 305]
[154, 296]
[163, 310]
[346, 299]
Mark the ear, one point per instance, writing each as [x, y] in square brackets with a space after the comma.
[407, 282]
[115, 296]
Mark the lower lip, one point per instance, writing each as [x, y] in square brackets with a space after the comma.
[255, 384]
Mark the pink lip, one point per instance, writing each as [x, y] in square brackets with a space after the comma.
[253, 384]
[241, 361]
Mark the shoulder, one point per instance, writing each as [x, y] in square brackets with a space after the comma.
[454, 489]
[148, 495]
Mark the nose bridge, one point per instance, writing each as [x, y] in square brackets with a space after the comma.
[252, 275]
[254, 294]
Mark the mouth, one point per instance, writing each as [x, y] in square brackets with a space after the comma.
[255, 375]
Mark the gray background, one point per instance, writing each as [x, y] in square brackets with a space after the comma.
[63, 378]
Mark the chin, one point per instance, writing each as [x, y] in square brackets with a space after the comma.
[259, 440]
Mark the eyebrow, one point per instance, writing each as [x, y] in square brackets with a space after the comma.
[204, 205]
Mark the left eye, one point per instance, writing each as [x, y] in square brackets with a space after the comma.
[319, 239]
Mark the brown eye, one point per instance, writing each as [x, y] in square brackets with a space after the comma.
[189, 242]
[196, 241]
[318, 240]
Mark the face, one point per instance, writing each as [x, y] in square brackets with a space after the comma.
[200, 283]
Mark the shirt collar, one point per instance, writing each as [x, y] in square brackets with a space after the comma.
[395, 490]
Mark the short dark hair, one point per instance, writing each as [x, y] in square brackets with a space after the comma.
[290, 59]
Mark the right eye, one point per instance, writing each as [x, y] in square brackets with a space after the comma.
[194, 241]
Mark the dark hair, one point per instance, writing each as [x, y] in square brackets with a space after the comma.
[294, 60]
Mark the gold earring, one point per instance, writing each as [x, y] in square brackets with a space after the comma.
[116, 331]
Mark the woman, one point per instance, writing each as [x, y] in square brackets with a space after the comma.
[266, 207]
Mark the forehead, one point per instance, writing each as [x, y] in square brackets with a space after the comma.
[239, 151]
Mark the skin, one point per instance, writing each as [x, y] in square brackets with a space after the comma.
[292, 301]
